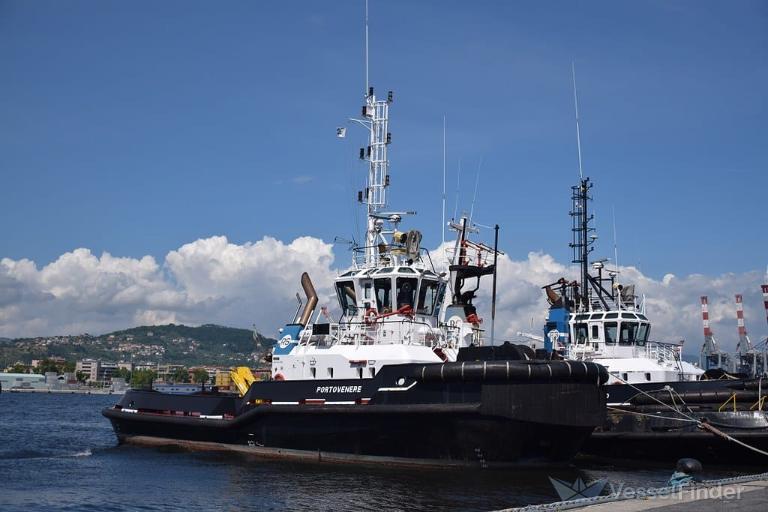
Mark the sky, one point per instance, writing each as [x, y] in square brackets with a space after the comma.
[178, 160]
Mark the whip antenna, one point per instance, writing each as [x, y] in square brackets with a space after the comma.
[474, 196]
[458, 182]
[366, 46]
[442, 225]
[615, 243]
[576, 106]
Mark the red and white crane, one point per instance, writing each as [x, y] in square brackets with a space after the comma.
[744, 346]
[711, 357]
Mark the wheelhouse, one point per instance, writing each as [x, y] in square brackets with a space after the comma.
[611, 328]
[388, 290]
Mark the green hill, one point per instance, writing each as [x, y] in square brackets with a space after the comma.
[178, 344]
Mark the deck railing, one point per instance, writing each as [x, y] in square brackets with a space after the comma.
[666, 353]
[399, 330]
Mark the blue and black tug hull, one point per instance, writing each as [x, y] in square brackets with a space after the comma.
[478, 413]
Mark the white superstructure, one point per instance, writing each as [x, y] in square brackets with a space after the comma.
[395, 307]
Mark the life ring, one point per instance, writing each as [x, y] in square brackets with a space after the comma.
[278, 376]
[370, 316]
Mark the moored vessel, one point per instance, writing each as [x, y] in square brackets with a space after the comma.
[658, 405]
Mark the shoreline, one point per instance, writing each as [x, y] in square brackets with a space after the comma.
[64, 391]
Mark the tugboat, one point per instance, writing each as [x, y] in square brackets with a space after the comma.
[659, 406]
[598, 318]
[405, 376]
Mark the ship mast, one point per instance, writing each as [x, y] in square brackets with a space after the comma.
[375, 118]
[582, 240]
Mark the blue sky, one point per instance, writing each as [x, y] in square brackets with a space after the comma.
[136, 127]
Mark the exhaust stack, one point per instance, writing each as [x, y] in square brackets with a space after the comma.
[309, 307]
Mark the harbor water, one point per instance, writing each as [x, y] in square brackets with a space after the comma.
[57, 452]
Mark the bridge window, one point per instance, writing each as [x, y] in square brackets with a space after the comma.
[642, 332]
[440, 298]
[595, 332]
[580, 333]
[406, 290]
[346, 293]
[383, 289]
[611, 330]
[427, 297]
[628, 333]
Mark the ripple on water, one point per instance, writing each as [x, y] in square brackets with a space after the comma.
[59, 454]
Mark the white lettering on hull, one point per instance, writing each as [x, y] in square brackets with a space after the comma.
[339, 389]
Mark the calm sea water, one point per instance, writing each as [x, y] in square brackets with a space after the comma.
[58, 453]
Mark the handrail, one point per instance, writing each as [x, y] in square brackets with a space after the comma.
[733, 397]
[759, 403]
[391, 253]
[361, 332]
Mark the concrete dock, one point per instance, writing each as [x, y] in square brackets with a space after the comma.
[742, 494]
[744, 497]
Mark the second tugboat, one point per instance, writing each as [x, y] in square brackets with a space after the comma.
[403, 377]
[659, 406]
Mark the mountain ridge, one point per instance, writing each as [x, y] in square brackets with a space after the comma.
[207, 344]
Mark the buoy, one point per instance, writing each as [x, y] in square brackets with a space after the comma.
[685, 471]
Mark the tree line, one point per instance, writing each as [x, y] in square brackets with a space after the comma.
[144, 378]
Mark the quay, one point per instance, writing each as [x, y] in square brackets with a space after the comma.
[747, 493]
[65, 391]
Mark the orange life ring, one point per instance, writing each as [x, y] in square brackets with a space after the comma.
[279, 376]
[370, 316]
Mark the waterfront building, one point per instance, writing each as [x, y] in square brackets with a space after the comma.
[96, 370]
[22, 380]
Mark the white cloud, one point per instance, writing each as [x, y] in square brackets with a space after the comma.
[209, 280]
[215, 280]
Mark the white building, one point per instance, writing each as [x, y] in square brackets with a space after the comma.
[97, 371]
[21, 380]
